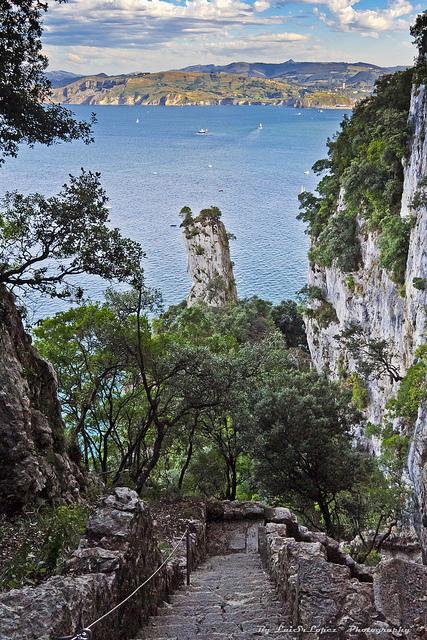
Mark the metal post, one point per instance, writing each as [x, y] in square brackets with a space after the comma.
[187, 538]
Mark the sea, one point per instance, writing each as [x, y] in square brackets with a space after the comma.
[153, 162]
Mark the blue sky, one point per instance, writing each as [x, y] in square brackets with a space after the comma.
[118, 36]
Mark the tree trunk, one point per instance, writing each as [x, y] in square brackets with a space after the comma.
[233, 492]
[186, 465]
[157, 448]
[326, 515]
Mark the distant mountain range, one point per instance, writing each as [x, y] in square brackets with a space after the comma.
[61, 78]
[300, 84]
[354, 73]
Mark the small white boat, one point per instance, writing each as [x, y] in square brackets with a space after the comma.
[307, 173]
[302, 189]
[260, 125]
[202, 132]
[299, 113]
[137, 121]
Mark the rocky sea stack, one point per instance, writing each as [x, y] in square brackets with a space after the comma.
[209, 261]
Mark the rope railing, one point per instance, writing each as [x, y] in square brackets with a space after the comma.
[86, 633]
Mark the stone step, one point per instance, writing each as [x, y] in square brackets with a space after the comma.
[217, 613]
[230, 597]
[242, 635]
[210, 620]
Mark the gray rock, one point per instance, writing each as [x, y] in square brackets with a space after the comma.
[241, 510]
[400, 589]
[280, 515]
[118, 553]
[209, 263]
[34, 462]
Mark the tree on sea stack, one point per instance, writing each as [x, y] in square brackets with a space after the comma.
[209, 261]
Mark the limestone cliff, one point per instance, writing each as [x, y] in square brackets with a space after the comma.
[34, 463]
[209, 261]
[384, 311]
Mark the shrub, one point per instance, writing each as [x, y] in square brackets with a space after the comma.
[40, 544]
[413, 388]
[359, 392]
[419, 283]
[337, 243]
[394, 245]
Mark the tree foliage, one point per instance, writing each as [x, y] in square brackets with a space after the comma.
[46, 242]
[364, 181]
[419, 33]
[302, 443]
[373, 356]
[24, 90]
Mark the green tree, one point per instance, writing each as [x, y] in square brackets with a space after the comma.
[24, 90]
[368, 512]
[419, 32]
[289, 320]
[46, 242]
[129, 389]
[374, 357]
[302, 444]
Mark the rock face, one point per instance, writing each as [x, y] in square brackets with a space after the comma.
[326, 592]
[373, 302]
[402, 607]
[117, 554]
[34, 463]
[209, 261]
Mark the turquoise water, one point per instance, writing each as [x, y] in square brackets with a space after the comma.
[152, 168]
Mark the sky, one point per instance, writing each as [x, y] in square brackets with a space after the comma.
[123, 36]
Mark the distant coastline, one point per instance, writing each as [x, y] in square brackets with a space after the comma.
[338, 107]
[320, 85]
[185, 88]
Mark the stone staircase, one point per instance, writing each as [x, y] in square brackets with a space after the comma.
[230, 596]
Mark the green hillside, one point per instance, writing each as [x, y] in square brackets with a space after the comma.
[186, 88]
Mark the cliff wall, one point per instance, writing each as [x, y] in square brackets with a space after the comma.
[383, 310]
[34, 461]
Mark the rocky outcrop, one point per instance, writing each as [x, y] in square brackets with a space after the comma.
[325, 592]
[209, 262]
[383, 311]
[119, 551]
[400, 591]
[34, 462]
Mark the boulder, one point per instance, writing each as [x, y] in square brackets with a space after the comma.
[400, 590]
[280, 515]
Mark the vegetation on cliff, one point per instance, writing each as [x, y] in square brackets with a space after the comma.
[364, 181]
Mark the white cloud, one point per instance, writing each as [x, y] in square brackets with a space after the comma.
[344, 15]
[261, 5]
